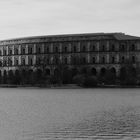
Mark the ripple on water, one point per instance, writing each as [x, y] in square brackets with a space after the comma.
[119, 124]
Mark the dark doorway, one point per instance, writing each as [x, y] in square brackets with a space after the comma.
[93, 71]
[47, 72]
[17, 77]
[5, 77]
[102, 72]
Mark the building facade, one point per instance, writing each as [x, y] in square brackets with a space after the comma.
[84, 53]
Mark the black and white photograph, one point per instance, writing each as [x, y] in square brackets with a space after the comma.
[69, 69]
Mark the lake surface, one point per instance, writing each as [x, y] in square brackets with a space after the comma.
[69, 114]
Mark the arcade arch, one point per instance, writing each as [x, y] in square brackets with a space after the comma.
[102, 72]
[93, 71]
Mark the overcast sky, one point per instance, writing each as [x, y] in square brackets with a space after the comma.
[19, 18]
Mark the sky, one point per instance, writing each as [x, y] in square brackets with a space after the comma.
[23, 18]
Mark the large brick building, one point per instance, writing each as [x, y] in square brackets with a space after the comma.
[85, 53]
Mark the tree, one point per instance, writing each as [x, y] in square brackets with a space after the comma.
[40, 73]
[110, 77]
[90, 81]
[128, 74]
[79, 79]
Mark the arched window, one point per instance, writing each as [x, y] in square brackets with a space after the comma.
[37, 61]
[39, 50]
[65, 49]
[23, 72]
[0, 63]
[4, 52]
[5, 77]
[56, 49]
[10, 74]
[31, 61]
[10, 51]
[4, 63]
[103, 60]
[9, 62]
[113, 70]
[93, 48]
[133, 47]
[84, 49]
[74, 60]
[133, 59]
[16, 62]
[65, 61]
[46, 49]
[103, 48]
[56, 61]
[74, 48]
[123, 73]
[38, 73]
[48, 61]
[56, 72]
[30, 50]
[113, 59]
[17, 76]
[123, 59]
[16, 51]
[23, 62]
[22, 51]
[113, 47]
[5, 73]
[93, 71]
[83, 60]
[93, 60]
[122, 47]
[102, 72]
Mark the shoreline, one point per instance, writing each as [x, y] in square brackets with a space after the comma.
[69, 86]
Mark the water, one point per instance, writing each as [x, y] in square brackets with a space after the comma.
[64, 114]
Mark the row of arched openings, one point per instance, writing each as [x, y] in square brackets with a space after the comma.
[22, 72]
[103, 71]
[27, 74]
[75, 71]
[93, 71]
[17, 76]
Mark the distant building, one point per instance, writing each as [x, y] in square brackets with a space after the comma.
[92, 53]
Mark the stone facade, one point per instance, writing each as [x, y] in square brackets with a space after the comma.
[92, 53]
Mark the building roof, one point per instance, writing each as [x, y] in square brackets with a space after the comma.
[122, 36]
[70, 37]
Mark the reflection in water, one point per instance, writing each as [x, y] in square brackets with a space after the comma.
[57, 114]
